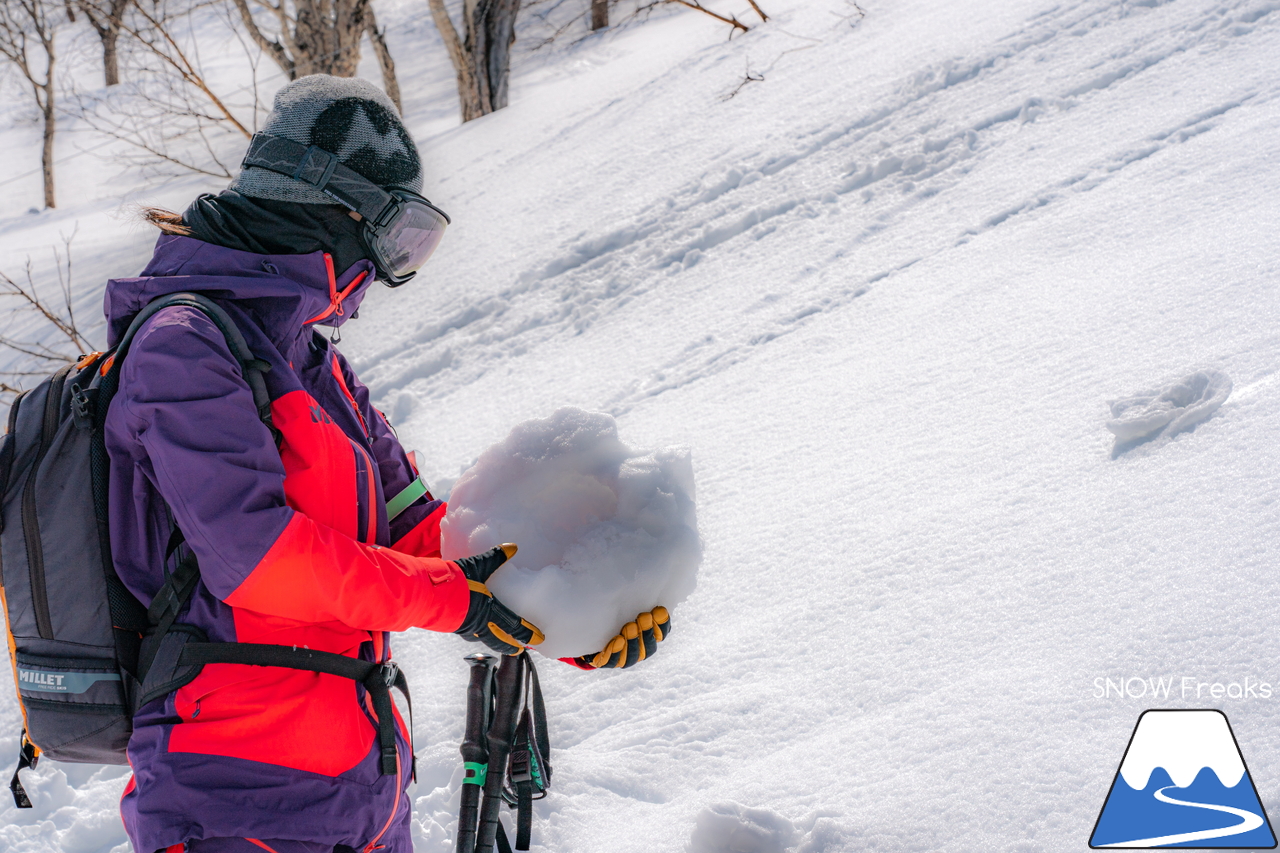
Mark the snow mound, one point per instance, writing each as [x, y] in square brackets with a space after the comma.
[734, 828]
[605, 532]
[1173, 408]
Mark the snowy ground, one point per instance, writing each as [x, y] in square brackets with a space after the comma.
[885, 296]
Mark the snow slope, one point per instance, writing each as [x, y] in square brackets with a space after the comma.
[885, 295]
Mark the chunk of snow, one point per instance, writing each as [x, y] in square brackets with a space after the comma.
[605, 532]
[1174, 407]
[734, 828]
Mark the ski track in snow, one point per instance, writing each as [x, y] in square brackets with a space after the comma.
[904, 156]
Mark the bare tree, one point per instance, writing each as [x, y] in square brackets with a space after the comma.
[27, 32]
[387, 65]
[105, 16]
[482, 57]
[156, 33]
[32, 355]
[169, 111]
[319, 37]
[696, 4]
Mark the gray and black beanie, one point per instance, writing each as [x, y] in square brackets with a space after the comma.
[346, 116]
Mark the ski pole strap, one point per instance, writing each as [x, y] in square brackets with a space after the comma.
[504, 846]
[526, 777]
[528, 773]
[406, 497]
[378, 679]
[28, 756]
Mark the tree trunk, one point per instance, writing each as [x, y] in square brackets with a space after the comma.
[468, 91]
[328, 34]
[482, 58]
[50, 125]
[110, 60]
[475, 43]
[599, 14]
[378, 39]
[501, 22]
[106, 22]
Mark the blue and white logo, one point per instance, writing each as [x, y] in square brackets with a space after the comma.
[1183, 783]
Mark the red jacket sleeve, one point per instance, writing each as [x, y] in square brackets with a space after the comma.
[314, 573]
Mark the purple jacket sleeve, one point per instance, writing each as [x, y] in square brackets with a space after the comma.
[182, 398]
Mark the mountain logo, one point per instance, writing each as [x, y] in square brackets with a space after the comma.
[1183, 783]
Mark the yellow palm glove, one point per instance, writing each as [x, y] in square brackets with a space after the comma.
[636, 641]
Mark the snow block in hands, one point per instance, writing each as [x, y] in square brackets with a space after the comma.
[605, 532]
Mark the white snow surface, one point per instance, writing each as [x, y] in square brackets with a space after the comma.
[882, 295]
[1183, 743]
[604, 532]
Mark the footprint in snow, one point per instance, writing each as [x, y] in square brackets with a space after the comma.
[1165, 411]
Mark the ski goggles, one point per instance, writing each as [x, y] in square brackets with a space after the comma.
[401, 228]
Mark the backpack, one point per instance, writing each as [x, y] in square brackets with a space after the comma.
[86, 653]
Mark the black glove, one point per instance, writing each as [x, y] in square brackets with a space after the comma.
[636, 641]
[488, 621]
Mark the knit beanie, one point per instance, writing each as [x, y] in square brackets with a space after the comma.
[345, 116]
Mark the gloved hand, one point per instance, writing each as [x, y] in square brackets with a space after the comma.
[636, 641]
[488, 621]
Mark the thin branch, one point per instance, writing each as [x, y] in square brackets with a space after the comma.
[39, 355]
[759, 11]
[749, 77]
[695, 4]
[270, 47]
[180, 63]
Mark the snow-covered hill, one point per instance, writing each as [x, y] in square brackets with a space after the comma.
[885, 295]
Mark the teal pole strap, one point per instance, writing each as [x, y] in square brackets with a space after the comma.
[476, 773]
[402, 501]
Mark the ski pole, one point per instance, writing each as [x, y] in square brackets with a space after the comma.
[475, 752]
[500, 731]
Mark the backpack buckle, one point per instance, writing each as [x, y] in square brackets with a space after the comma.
[83, 405]
[390, 673]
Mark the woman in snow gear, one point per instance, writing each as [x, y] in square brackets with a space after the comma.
[289, 530]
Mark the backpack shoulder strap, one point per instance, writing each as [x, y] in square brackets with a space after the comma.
[178, 586]
[252, 368]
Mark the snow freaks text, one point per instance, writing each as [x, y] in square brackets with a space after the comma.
[1179, 687]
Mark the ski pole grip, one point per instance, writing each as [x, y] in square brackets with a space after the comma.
[475, 751]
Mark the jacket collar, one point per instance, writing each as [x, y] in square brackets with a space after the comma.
[285, 294]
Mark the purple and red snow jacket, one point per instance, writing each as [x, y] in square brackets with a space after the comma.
[293, 544]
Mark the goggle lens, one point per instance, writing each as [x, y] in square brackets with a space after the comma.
[410, 238]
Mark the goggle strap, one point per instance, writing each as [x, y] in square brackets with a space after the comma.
[319, 168]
